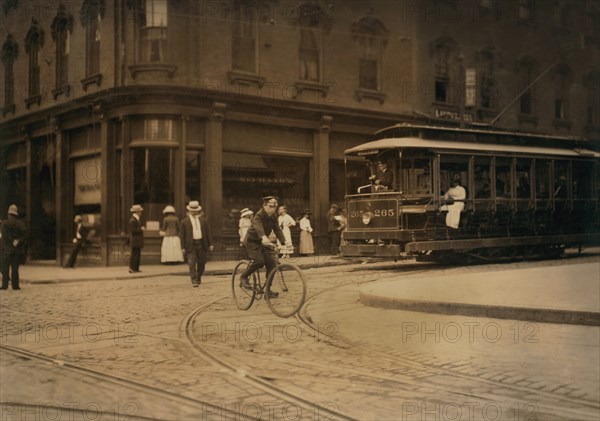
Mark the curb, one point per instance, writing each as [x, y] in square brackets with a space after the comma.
[183, 272]
[544, 315]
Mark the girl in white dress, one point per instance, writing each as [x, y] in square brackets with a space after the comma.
[306, 241]
[285, 222]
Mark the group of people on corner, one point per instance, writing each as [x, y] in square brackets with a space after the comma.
[190, 237]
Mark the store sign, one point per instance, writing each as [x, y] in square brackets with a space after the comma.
[87, 182]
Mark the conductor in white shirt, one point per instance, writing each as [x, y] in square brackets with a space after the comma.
[196, 241]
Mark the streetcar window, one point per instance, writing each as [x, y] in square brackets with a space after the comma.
[561, 176]
[542, 178]
[450, 165]
[503, 179]
[523, 178]
[416, 175]
[583, 172]
[482, 177]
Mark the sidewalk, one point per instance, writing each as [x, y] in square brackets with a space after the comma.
[49, 272]
[566, 294]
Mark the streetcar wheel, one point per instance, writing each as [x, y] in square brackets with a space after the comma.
[286, 290]
[242, 297]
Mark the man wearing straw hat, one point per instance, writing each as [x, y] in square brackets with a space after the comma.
[136, 238]
[196, 241]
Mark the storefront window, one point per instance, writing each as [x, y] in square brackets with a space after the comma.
[192, 176]
[248, 177]
[153, 180]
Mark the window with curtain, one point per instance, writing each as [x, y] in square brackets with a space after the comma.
[34, 41]
[153, 30]
[62, 25]
[91, 17]
[244, 43]
[527, 74]
[371, 36]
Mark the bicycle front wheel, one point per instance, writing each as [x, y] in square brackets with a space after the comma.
[243, 297]
[286, 290]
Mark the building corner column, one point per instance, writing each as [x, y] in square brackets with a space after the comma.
[62, 191]
[212, 168]
[107, 187]
[320, 174]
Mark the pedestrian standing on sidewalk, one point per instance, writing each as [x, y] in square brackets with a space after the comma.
[244, 223]
[307, 246]
[285, 222]
[13, 247]
[196, 241]
[170, 251]
[136, 238]
[334, 229]
[79, 241]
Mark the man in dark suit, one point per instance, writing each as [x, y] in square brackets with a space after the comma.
[334, 228]
[136, 238]
[13, 247]
[196, 241]
[384, 178]
[80, 240]
[257, 242]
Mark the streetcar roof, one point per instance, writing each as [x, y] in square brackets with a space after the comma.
[415, 142]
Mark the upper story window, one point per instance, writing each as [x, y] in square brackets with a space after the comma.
[371, 36]
[62, 26]
[244, 42]
[92, 12]
[526, 10]
[592, 84]
[34, 40]
[487, 78]
[153, 30]
[311, 21]
[10, 50]
[444, 58]
[563, 78]
[527, 74]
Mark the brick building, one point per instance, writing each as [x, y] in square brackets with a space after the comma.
[106, 103]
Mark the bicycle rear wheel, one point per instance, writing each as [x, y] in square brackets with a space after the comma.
[243, 297]
[287, 281]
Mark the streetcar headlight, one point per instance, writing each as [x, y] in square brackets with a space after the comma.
[366, 217]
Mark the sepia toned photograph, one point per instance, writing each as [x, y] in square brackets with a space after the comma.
[294, 210]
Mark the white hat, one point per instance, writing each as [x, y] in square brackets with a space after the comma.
[169, 209]
[246, 212]
[194, 206]
[136, 208]
[13, 210]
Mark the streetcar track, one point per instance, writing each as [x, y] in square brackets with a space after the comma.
[304, 317]
[118, 380]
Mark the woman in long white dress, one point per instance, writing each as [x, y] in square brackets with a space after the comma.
[307, 246]
[170, 251]
[285, 222]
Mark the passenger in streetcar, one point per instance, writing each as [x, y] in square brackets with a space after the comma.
[458, 194]
[384, 178]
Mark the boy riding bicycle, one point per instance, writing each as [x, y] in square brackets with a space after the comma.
[259, 246]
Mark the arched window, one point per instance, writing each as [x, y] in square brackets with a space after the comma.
[62, 26]
[371, 36]
[10, 50]
[34, 40]
[92, 12]
[527, 72]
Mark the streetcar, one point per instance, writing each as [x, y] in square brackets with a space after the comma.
[522, 195]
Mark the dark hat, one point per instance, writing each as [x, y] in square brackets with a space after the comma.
[307, 212]
[269, 198]
[456, 177]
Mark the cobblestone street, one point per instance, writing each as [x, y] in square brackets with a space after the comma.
[155, 348]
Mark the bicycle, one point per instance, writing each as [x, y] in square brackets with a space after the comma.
[284, 289]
